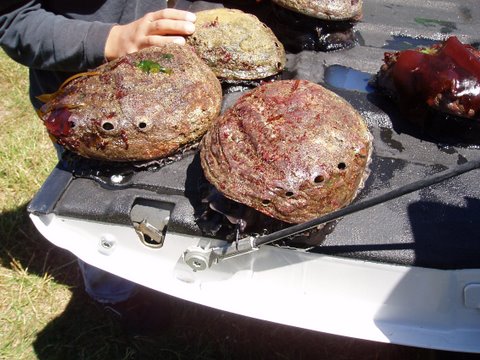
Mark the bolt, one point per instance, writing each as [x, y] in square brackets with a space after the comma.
[106, 243]
[116, 178]
[197, 264]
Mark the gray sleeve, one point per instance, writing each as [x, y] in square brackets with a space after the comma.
[42, 40]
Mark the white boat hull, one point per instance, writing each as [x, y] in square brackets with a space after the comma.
[429, 308]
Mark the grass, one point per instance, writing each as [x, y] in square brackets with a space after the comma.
[45, 314]
[30, 299]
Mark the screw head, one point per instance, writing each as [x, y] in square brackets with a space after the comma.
[197, 263]
[107, 244]
[116, 178]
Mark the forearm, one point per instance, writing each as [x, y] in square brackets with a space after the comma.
[42, 40]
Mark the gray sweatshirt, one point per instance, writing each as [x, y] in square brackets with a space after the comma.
[57, 38]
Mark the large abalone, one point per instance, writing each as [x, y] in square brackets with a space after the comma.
[290, 149]
[237, 45]
[143, 106]
[325, 9]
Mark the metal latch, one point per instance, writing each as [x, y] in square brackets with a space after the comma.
[203, 256]
[149, 234]
[150, 224]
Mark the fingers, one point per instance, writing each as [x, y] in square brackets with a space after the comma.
[171, 22]
[156, 40]
[156, 28]
[165, 26]
[173, 14]
[170, 27]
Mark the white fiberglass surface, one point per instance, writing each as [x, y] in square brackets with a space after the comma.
[380, 302]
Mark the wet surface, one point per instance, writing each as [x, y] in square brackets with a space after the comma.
[446, 27]
[347, 78]
[399, 42]
[386, 135]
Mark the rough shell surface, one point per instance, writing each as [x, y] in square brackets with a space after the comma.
[291, 149]
[237, 45]
[325, 9]
[143, 106]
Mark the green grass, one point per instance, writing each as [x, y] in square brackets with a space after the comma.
[25, 151]
[45, 314]
[30, 299]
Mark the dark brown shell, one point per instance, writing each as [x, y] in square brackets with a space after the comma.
[237, 45]
[290, 149]
[325, 9]
[143, 106]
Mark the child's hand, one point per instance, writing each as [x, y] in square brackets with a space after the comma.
[168, 25]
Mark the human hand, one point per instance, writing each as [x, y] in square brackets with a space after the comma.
[155, 28]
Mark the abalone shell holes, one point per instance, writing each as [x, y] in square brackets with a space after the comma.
[317, 180]
[108, 126]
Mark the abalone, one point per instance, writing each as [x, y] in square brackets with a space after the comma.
[237, 45]
[317, 25]
[325, 9]
[290, 149]
[143, 106]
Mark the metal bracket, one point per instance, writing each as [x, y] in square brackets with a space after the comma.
[150, 224]
[149, 234]
[201, 258]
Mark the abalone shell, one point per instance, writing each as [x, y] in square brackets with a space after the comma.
[143, 106]
[290, 149]
[237, 45]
